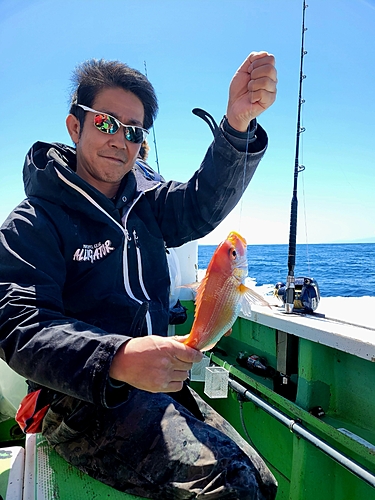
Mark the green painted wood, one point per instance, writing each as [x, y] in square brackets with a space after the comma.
[10, 433]
[58, 480]
[335, 380]
[340, 382]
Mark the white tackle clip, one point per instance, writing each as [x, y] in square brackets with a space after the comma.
[216, 383]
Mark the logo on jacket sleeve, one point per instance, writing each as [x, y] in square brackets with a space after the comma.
[93, 252]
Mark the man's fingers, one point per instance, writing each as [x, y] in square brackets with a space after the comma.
[266, 72]
[187, 354]
[261, 59]
[180, 376]
[154, 363]
[263, 83]
[173, 387]
[175, 381]
[263, 98]
[181, 365]
[180, 338]
[252, 58]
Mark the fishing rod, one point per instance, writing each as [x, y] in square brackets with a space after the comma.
[299, 294]
[153, 131]
[290, 284]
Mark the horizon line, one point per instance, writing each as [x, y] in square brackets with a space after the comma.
[365, 241]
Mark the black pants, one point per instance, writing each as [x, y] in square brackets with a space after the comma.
[152, 446]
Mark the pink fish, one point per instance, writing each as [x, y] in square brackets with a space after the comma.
[221, 294]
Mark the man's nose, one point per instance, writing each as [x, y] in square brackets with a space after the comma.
[118, 139]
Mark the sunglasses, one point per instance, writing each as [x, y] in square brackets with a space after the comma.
[110, 125]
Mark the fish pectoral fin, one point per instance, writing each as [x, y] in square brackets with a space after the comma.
[251, 297]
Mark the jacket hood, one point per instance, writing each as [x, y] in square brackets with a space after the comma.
[49, 174]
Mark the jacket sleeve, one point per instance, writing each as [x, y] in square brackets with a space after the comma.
[187, 211]
[37, 340]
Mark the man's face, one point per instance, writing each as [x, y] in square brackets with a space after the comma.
[104, 159]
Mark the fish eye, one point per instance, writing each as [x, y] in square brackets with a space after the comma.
[233, 254]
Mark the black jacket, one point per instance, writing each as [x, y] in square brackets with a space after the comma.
[81, 273]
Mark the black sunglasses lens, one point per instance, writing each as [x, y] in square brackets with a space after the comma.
[133, 134]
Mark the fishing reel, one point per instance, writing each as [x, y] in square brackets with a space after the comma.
[306, 294]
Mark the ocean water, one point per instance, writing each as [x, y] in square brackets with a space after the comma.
[341, 270]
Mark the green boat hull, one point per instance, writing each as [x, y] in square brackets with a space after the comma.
[325, 392]
[335, 384]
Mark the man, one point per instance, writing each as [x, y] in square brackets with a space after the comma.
[84, 288]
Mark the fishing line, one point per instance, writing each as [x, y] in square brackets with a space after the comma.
[304, 197]
[244, 175]
[306, 234]
[245, 166]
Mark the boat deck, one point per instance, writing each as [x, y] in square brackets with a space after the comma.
[344, 323]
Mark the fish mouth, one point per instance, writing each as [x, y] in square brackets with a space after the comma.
[242, 262]
[242, 268]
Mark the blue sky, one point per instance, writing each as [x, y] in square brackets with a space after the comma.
[192, 49]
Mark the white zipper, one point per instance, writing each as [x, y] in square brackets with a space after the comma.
[127, 238]
[139, 261]
[140, 277]
[126, 267]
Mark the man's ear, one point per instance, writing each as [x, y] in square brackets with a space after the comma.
[74, 128]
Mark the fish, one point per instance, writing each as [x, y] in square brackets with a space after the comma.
[222, 294]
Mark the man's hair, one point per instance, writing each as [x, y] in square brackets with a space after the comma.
[93, 76]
